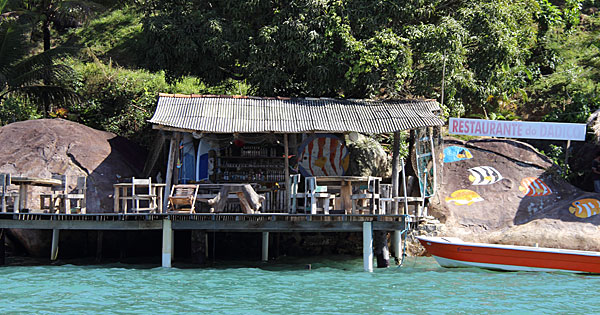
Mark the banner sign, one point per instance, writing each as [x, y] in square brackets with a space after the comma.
[517, 129]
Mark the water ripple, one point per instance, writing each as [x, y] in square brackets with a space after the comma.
[334, 286]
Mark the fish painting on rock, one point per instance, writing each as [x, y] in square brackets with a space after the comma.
[534, 187]
[585, 208]
[464, 197]
[323, 155]
[484, 175]
[456, 153]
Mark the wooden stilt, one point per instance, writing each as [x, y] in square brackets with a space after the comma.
[395, 170]
[277, 242]
[265, 246]
[287, 172]
[2, 247]
[100, 237]
[167, 243]
[368, 246]
[404, 189]
[206, 241]
[170, 163]
[198, 246]
[397, 244]
[55, 239]
[567, 156]
[381, 249]
[123, 245]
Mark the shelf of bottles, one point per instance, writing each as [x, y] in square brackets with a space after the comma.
[251, 164]
[260, 164]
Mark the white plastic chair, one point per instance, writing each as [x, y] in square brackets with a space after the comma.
[316, 197]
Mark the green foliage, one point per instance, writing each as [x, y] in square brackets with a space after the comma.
[15, 109]
[569, 91]
[387, 142]
[556, 153]
[38, 78]
[578, 110]
[113, 35]
[121, 100]
[523, 59]
[358, 48]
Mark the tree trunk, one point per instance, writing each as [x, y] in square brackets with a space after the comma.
[46, 33]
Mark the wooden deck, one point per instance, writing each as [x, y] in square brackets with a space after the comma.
[212, 222]
[223, 222]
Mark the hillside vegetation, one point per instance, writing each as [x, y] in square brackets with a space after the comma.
[105, 63]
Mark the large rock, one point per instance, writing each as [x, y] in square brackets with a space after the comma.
[367, 157]
[40, 148]
[501, 212]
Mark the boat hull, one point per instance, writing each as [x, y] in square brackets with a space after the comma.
[450, 252]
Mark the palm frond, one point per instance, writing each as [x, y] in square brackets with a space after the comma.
[76, 10]
[46, 58]
[2, 5]
[47, 95]
[3, 81]
[12, 43]
[37, 74]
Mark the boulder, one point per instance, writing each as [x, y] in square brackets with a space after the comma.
[41, 148]
[367, 157]
[524, 201]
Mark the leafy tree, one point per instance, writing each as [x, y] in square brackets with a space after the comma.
[354, 48]
[59, 14]
[33, 77]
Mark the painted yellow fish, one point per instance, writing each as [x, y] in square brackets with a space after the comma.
[464, 197]
[465, 155]
[585, 208]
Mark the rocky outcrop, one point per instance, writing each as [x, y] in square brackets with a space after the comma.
[367, 157]
[40, 148]
[524, 202]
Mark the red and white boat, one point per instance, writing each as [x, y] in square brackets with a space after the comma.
[453, 252]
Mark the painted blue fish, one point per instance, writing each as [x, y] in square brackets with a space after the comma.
[456, 153]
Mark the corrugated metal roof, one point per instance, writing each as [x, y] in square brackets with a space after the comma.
[231, 114]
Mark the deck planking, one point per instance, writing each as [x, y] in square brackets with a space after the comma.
[222, 222]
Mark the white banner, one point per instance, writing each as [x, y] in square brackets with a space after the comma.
[517, 129]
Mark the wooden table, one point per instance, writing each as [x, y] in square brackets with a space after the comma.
[25, 182]
[250, 201]
[345, 184]
[121, 195]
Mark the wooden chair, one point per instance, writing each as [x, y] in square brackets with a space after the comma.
[295, 195]
[5, 194]
[386, 201]
[183, 198]
[139, 193]
[369, 195]
[54, 198]
[78, 196]
[317, 198]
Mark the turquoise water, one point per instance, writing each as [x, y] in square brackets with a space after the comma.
[333, 286]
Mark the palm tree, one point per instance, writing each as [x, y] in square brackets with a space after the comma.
[34, 77]
[57, 13]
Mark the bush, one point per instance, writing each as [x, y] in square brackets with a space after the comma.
[16, 109]
[122, 101]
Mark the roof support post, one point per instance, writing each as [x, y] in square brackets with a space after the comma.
[395, 170]
[286, 152]
[170, 164]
